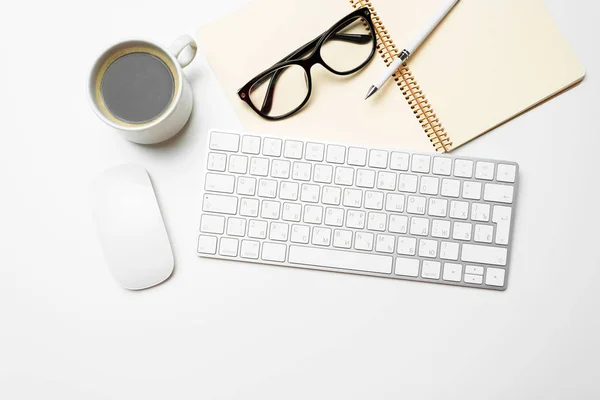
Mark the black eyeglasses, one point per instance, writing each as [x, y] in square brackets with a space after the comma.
[285, 88]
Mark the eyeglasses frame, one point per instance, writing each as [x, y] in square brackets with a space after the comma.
[308, 62]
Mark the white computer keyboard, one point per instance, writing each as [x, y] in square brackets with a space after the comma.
[392, 214]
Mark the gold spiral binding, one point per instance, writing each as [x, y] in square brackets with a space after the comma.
[407, 83]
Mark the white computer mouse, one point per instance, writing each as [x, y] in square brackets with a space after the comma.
[130, 227]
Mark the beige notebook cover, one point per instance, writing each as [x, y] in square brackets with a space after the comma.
[487, 62]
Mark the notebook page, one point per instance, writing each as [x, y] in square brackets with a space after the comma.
[487, 62]
[249, 41]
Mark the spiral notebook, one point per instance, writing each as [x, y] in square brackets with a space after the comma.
[487, 62]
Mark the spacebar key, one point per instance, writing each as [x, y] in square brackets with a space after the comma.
[340, 259]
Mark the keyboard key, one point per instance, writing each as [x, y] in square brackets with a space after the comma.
[250, 249]
[216, 162]
[442, 166]
[437, 207]
[385, 244]
[323, 173]
[219, 183]
[236, 226]
[420, 163]
[272, 147]
[300, 234]
[462, 231]
[506, 173]
[440, 228]
[452, 272]
[313, 214]
[429, 185]
[463, 168]
[449, 251]
[378, 159]
[301, 171]
[472, 190]
[483, 233]
[246, 186]
[495, 277]
[249, 207]
[484, 170]
[278, 231]
[502, 219]
[352, 198]
[373, 200]
[257, 229]
[459, 209]
[363, 241]
[288, 191]
[416, 205]
[407, 267]
[310, 193]
[386, 180]
[357, 156]
[407, 183]
[450, 188]
[228, 247]
[339, 259]
[377, 222]
[259, 166]
[218, 204]
[344, 176]
[314, 152]
[238, 164]
[291, 212]
[355, 219]
[473, 270]
[428, 248]
[207, 244]
[334, 216]
[484, 254]
[321, 236]
[336, 154]
[480, 212]
[399, 161]
[394, 202]
[224, 141]
[499, 193]
[267, 188]
[331, 195]
[293, 149]
[280, 169]
[270, 209]
[430, 269]
[406, 246]
[398, 223]
[273, 252]
[419, 226]
[474, 279]
[365, 178]
[342, 239]
[251, 144]
[212, 224]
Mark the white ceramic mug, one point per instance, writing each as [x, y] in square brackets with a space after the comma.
[170, 121]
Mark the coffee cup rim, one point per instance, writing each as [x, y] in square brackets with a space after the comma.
[91, 84]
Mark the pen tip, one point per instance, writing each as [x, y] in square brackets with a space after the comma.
[371, 92]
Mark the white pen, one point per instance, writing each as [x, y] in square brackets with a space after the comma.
[412, 46]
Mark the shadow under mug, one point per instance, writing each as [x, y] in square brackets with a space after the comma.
[175, 114]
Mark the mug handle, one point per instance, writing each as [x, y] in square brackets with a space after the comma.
[181, 43]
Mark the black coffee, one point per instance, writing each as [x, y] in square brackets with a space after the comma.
[137, 87]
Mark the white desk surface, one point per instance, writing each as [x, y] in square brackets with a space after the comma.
[224, 330]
